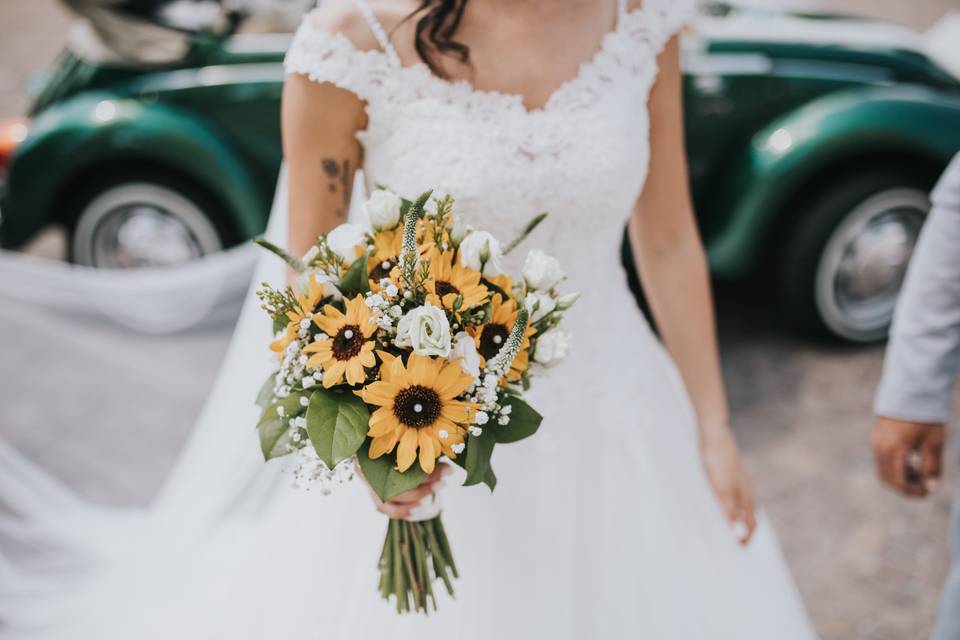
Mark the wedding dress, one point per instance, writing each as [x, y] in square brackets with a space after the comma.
[602, 526]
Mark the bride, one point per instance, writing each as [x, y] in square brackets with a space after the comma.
[629, 515]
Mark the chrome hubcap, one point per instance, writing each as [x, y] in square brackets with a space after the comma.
[864, 263]
[141, 224]
[142, 236]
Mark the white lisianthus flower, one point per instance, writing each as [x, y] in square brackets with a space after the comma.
[552, 347]
[482, 252]
[465, 353]
[539, 305]
[329, 286]
[383, 209]
[459, 230]
[426, 330]
[345, 239]
[566, 301]
[542, 271]
[311, 253]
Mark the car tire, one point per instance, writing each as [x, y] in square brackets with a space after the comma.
[144, 219]
[844, 260]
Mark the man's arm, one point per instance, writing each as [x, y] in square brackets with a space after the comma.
[924, 353]
[923, 357]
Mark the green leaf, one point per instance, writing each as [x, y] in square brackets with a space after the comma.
[524, 422]
[337, 424]
[489, 478]
[479, 450]
[384, 478]
[280, 324]
[355, 281]
[265, 395]
[274, 429]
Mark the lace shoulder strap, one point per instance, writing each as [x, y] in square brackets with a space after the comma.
[378, 32]
[656, 21]
[328, 56]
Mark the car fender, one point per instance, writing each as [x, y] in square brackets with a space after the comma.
[788, 154]
[73, 138]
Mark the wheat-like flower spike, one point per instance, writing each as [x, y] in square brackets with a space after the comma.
[295, 263]
[504, 358]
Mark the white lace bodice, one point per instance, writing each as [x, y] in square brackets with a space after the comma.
[582, 157]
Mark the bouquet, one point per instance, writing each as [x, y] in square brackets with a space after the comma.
[400, 344]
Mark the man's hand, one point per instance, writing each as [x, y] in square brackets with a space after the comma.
[909, 455]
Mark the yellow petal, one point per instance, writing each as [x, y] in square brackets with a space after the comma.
[382, 422]
[384, 444]
[333, 374]
[427, 458]
[407, 450]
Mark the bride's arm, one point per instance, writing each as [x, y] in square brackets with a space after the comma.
[673, 269]
[319, 125]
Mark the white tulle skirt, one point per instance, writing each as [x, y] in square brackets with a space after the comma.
[602, 526]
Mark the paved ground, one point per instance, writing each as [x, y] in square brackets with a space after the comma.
[868, 563]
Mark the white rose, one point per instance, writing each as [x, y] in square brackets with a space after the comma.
[552, 347]
[426, 330]
[542, 271]
[383, 209]
[481, 249]
[345, 239]
[465, 349]
[539, 305]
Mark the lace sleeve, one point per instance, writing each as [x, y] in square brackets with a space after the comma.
[324, 56]
[659, 20]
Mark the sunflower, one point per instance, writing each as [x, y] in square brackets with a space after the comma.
[489, 337]
[305, 305]
[348, 349]
[450, 279]
[418, 410]
[387, 245]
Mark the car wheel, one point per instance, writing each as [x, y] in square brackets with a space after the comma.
[845, 260]
[139, 221]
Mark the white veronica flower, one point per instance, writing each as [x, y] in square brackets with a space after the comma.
[552, 347]
[426, 330]
[482, 252]
[465, 349]
[542, 271]
[539, 305]
[345, 239]
[383, 209]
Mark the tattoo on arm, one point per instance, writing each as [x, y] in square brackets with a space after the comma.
[340, 178]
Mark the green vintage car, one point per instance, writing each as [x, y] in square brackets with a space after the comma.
[813, 141]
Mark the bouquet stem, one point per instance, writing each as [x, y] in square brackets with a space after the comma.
[415, 554]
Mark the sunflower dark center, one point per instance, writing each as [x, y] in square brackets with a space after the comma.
[491, 339]
[444, 287]
[417, 406]
[382, 269]
[348, 342]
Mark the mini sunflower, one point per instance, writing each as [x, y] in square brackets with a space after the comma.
[450, 279]
[418, 410]
[387, 245]
[348, 349]
[489, 337]
[306, 304]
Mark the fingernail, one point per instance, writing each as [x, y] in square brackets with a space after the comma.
[739, 529]
[932, 485]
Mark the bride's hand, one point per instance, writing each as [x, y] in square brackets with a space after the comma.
[401, 507]
[729, 480]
